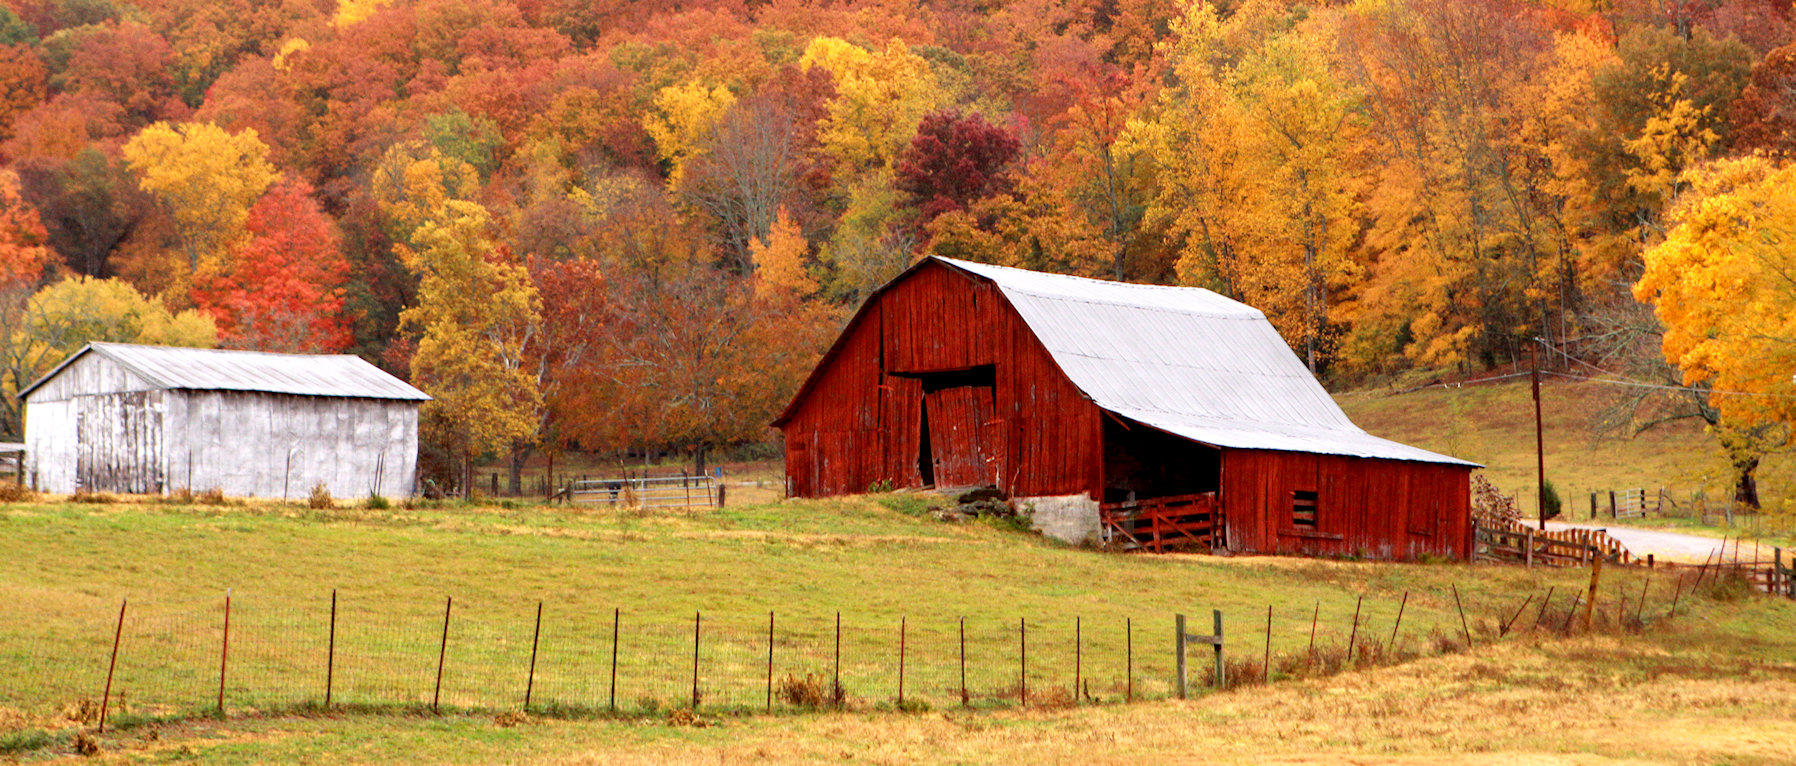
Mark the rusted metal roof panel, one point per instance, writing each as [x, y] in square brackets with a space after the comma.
[1187, 361]
[199, 369]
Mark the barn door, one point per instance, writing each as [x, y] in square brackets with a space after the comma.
[964, 437]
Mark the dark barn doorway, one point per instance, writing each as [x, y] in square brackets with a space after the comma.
[1141, 462]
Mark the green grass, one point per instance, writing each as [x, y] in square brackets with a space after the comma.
[878, 561]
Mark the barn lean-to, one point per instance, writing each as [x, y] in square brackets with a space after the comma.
[1077, 396]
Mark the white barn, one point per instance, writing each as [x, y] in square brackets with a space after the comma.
[115, 417]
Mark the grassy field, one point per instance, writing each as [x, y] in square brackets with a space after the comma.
[1713, 684]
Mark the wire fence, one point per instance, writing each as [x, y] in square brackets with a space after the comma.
[248, 655]
[186, 657]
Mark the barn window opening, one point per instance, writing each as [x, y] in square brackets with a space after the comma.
[984, 375]
[1141, 462]
[1303, 509]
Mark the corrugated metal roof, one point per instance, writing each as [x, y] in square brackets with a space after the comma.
[1187, 361]
[200, 369]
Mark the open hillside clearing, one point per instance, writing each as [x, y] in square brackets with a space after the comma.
[1493, 424]
[1712, 684]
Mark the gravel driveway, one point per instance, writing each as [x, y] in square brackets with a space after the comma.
[1665, 546]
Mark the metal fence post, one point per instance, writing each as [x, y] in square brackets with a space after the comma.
[535, 637]
[224, 653]
[119, 633]
[836, 673]
[1023, 658]
[1129, 657]
[901, 646]
[616, 615]
[1078, 661]
[963, 661]
[769, 660]
[695, 625]
[442, 654]
[330, 655]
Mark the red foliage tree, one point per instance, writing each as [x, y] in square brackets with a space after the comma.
[129, 65]
[1764, 115]
[954, 160]
[283, 290]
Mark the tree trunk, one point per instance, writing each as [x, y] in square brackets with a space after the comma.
[1746, 487]
[698, 459]
[514, 483]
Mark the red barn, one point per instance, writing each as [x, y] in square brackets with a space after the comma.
[1136, 415]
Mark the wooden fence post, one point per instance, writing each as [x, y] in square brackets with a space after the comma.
[1612, 504]
[1219, 676]
[1596, 574]
[1178, 631]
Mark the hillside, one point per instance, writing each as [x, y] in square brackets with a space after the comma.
[1493, 424]
[880, 562]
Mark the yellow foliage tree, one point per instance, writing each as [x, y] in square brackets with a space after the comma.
[352, 11]
[477, 312]
[413, 182]
[206, 179]
[779, 261]
[683, 122]
[1721, 284]
[61, 318]
[880, 98]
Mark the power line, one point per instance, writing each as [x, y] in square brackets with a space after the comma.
[1663, 387]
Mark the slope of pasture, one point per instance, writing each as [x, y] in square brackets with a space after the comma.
[1493, 424]
[878, 561]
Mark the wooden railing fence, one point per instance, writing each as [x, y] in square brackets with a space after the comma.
[1513, 541]
[1164, 522]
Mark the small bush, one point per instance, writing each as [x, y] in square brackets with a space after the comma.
[1731, 586]
[11, 492]
[213, 496]
[377, 503]
[86, 745]
[182, 496]
[82, 495]
[808, 692]
[321, 498]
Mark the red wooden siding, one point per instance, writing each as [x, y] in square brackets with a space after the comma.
[1384, 509]
[858, 419]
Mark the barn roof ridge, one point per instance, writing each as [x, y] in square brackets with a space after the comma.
[207, 369]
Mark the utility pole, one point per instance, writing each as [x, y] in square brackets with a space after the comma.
[1540, 459]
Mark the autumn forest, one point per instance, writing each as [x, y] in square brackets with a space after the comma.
[612, 225]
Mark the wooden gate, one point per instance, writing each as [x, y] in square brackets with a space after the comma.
[1159, 523]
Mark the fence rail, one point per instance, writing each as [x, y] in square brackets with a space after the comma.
[1162, 522]
[646, 492]
[1512, 541]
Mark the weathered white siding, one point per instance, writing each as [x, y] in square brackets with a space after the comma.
[97, 425]
[277, 445]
